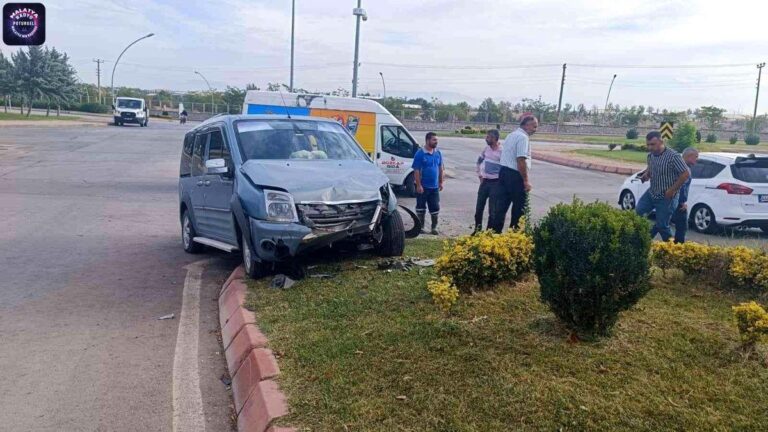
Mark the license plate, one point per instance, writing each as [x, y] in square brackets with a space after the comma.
[762, 198]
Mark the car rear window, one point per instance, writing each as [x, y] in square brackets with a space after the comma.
[751, 170]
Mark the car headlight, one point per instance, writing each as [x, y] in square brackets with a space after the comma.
[280, 206]
[140, 114]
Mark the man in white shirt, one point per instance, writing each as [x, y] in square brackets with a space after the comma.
[513, 178]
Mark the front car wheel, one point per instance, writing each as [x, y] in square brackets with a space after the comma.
[392, 236]
[627, 200]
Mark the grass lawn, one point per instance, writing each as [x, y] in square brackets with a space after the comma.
[17, 116]
[367, 350]
[620, 155]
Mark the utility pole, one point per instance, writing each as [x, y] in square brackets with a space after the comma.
[98, 75]
[293, 25]
[760, 67]
[560, 101]
[359, 13]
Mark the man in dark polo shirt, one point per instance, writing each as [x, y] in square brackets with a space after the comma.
[667, 172]
[428, 176]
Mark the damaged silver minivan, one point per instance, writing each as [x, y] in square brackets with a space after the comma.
[274, 187]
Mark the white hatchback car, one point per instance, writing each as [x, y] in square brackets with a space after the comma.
[727, 190]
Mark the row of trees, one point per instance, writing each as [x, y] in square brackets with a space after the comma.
[37, 74]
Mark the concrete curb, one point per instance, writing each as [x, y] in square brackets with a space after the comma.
[252, 366]
[583, 165]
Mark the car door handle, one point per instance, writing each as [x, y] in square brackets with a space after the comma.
[207, 182]
[200, 183]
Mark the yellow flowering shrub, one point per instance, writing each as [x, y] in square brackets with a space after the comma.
[485, 258]
[749, 267]
[444, 293]
[752, 321]
[690, 257]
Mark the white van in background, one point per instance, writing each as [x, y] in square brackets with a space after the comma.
[130, 110]
[378, 132]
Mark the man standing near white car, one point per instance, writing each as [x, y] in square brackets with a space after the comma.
[667, 173]
[680, 218]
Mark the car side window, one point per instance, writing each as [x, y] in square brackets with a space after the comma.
[217, 147]
[705, 169]
[197, 154]
[394, 140]
[186, 155]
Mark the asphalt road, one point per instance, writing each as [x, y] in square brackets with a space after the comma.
[90, 257]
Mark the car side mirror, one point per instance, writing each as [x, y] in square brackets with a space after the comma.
[216, 166]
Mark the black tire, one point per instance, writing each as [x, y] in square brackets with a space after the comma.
[188, 233]
[409, 186]
[764, 229]
[627, 200]
[393, 236]
[253, 268]
[702, 219]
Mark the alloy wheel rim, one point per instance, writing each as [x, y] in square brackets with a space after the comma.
[628, 201]
[186, 231]
[703, 218]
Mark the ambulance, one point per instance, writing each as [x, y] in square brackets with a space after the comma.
[379, 133]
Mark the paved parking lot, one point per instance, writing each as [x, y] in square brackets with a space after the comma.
[90, 257]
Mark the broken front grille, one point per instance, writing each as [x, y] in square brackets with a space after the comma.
[337, 216]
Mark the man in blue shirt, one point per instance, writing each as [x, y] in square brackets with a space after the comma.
[428, 176]
[680, 217]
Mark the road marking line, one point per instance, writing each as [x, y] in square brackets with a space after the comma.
[188, 412]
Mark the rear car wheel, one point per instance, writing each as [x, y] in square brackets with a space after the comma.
[627, 200]
[703, 219]
[254, 269]
[188, 233]
[393, 236]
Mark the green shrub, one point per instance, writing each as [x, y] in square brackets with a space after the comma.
[698, 136]
[684, 137]
[93, 108]
[483, 260]
[632, 134]
[711, 138]
[467, 127]
[611, 146]
[592, 262]
[633, 147]
[466, 131]
[733, 139]
[752, 139]
[456, 131]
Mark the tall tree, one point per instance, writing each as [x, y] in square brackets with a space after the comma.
[30, 75]
[712, 116]
[6, 83]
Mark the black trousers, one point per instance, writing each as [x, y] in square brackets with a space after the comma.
[486, 193]
[511, 191]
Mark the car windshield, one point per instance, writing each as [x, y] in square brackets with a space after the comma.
[751, 170]
[128, 103]
[296, 139]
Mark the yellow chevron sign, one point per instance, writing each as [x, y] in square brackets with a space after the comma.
[666, 129]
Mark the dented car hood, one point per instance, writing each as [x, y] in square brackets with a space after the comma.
[318, 180]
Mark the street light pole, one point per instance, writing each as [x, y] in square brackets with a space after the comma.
[112, 84]
[609, 93]
[383, 84]
[358, 12]
[760, 67]
[293, 26]
[209, 89]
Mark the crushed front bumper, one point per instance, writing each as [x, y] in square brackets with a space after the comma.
[321, 224]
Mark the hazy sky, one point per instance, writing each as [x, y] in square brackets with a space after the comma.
[453, 49]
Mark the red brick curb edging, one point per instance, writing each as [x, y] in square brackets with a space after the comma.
[583, 165]
[258, 399]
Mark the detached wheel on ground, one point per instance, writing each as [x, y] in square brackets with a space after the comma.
[703, 219]
[393, 236]
[627, 200]
[188, 233]
[254, 269]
